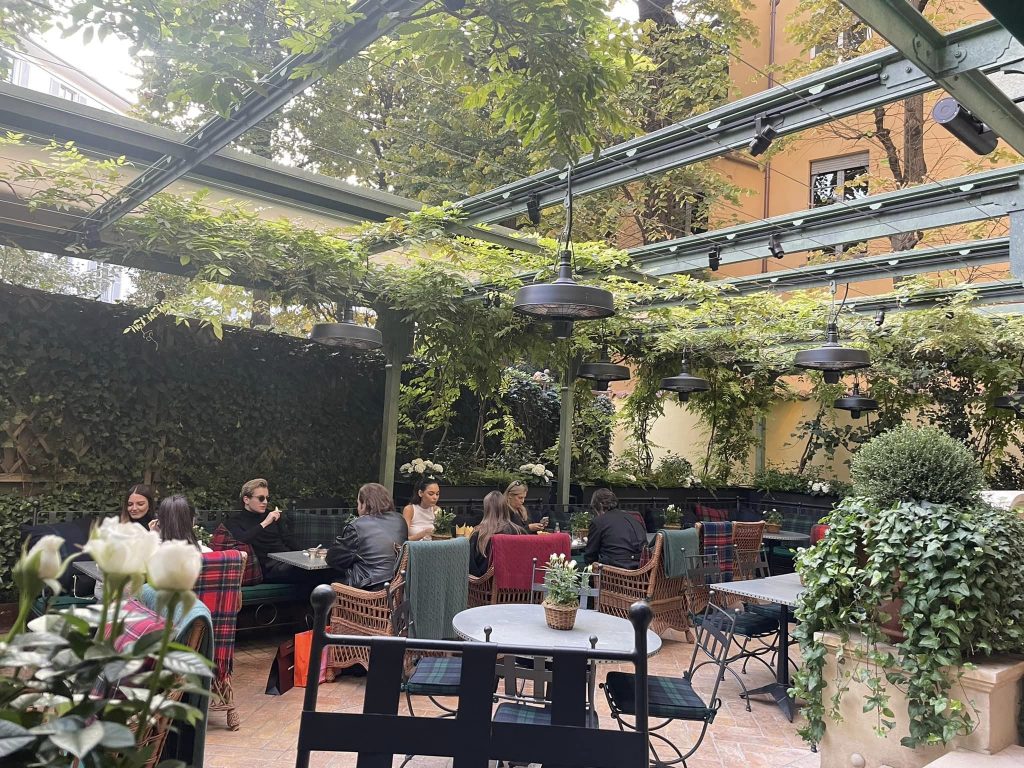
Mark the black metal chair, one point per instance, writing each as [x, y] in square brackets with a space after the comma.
[755, 633]
[555, 734]
[674, 698]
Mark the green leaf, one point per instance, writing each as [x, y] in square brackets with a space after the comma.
[13, 737]
[80, 742]
[187, 663]
[117, 736]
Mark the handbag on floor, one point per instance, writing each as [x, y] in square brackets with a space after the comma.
[282, 671]
[303, 646]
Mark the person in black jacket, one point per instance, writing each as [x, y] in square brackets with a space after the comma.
[616, 537]
[265, 532]
[365, 554]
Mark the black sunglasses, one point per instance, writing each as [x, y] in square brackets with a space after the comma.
[261, 498]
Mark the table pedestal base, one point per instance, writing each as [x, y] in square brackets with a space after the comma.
[780, 693]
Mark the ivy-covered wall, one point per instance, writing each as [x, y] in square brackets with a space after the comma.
[86, 406]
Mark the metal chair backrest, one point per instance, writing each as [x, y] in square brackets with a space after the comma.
[590, 588]
[701, 572]
[714, 638]
[379, 733]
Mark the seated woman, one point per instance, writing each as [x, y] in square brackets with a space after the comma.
[365, 554]
[498, 518]
[515, 497]
[139, 505]
[175, 520]
[419, 512]
[616, 537]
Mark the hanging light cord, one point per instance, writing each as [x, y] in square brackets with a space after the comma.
[834, 315]
[567, 232]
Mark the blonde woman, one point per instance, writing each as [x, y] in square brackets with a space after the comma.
[498, 518]
[515, 497]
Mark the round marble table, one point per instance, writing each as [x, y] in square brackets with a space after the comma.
[515, 624]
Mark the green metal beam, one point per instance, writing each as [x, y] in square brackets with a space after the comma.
[909, 32]
[1008, 13]
[565, 429]
[398, 339]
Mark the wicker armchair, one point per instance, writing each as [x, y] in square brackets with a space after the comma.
[358, 612]
[746, 539]
[621, 588]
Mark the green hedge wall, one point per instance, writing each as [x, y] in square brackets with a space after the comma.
[84, 404]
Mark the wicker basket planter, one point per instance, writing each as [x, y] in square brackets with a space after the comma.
[772, 527]
[560, 616]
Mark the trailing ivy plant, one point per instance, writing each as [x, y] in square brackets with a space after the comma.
[950, 574]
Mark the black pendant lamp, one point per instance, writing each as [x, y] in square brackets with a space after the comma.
[564, 300]
[831, 359]
[348, 334]
[684, 382]
[855, 402]
[603, 371]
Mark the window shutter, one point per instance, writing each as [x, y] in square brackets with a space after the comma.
[839, 163]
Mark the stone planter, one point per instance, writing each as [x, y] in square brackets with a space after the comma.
[993, 688]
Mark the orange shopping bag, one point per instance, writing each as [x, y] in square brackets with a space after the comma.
[303, 645]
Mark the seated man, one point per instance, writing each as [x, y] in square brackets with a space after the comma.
[365, 554]
[265, 532]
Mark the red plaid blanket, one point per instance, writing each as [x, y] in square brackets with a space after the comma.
[138, 621]
[513, 557]
[711, 514]
[219, 587]
[718, 540]
[223, 541]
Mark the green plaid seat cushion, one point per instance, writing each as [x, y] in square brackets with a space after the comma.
[523, 714]
[671, 697]
[771, 610]
[436, 676]
[751, 623]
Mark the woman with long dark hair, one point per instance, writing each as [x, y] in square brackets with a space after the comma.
[175, 521]
[498, 518]
[419, 512]
[139, 505]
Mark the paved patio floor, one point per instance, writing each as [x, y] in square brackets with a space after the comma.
[762, 738]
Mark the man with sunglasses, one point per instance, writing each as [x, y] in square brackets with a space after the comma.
[265, 532]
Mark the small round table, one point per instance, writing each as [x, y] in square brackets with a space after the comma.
[516, 624]
[786, 537]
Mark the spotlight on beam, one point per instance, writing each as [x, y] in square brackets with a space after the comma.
[715, 259]
[880, 318]
[533, 208]
[764, 135]
[775, 246]
[978, 137]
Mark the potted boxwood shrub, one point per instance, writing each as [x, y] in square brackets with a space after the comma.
[915, 550]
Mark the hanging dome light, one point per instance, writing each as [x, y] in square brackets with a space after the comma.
[603, 371]
[831, 359]
[855, 402]
[564, 299]
[684, 382]
[348, 334]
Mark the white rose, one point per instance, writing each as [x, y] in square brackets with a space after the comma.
[418, 466]
[175, 566]
[526, 468]
[405, 468]
[538, 470]
[826, 488]
[122, 548]
[48, 564]
[438, 468]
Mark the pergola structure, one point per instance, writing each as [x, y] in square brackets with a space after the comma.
[921, 60]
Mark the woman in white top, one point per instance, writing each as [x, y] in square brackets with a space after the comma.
[419, 512]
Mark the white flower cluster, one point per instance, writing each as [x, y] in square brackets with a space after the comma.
[672, 509]
[559, 560]
[420, 467]
[819, 487]
[537, 470]
[128, 549]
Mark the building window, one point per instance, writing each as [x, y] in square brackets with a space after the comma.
[57, 88]
[20, 72]
[845, 46]
[840, 178]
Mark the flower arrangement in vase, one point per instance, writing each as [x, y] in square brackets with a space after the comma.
[537, 473]
[673, 515]
[420, 468]
[563, 581]
[772, 521]
[443, 524]
[88, 686]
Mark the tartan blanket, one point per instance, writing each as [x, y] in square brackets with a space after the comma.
[513, 556]
[718, 541]
[220, 588]
[223, 541]
[138, 621]
[437, 586]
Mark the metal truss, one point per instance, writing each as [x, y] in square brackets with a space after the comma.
[840, 91]
[942, 58]
[375, 18]
[986, 195]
